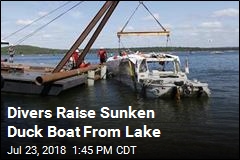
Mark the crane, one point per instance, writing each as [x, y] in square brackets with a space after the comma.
[105, 12]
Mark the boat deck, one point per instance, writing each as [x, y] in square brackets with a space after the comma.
[22, 79]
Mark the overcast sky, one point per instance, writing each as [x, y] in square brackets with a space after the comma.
[191, 24]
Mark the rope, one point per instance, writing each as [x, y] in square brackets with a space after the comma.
[130, 17]
[120, 43]
[140, 3]
[38, 29]
[119, 39]
[153, 16]
[168, 39]
[35, 21]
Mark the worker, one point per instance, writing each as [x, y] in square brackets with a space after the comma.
[102, 53]
[72, 62]
[75, 57]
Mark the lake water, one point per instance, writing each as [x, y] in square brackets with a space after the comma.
[191, 128]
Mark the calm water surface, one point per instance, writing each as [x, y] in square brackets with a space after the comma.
[192, 128]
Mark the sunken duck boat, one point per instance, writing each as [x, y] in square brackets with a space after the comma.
[155, 75]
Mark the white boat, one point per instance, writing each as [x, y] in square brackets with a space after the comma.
[155, 75]
[216, 52]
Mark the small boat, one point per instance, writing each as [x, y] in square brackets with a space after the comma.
[155, 75]
[216, 52]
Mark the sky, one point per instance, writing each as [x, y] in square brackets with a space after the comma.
[191, 23]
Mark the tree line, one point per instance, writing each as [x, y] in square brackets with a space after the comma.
[27, 49]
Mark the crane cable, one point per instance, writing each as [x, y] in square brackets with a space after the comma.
[38, 29]
[130, 17]
[168, 37]
[153, 16]
[35, 20]
[119, 39]
[141, 3]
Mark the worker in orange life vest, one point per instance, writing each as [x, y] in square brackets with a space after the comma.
[75, 56]
[102, 53]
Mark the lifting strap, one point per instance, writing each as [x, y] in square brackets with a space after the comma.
[163, 32]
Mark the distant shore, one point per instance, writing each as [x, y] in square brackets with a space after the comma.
[25, 49]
